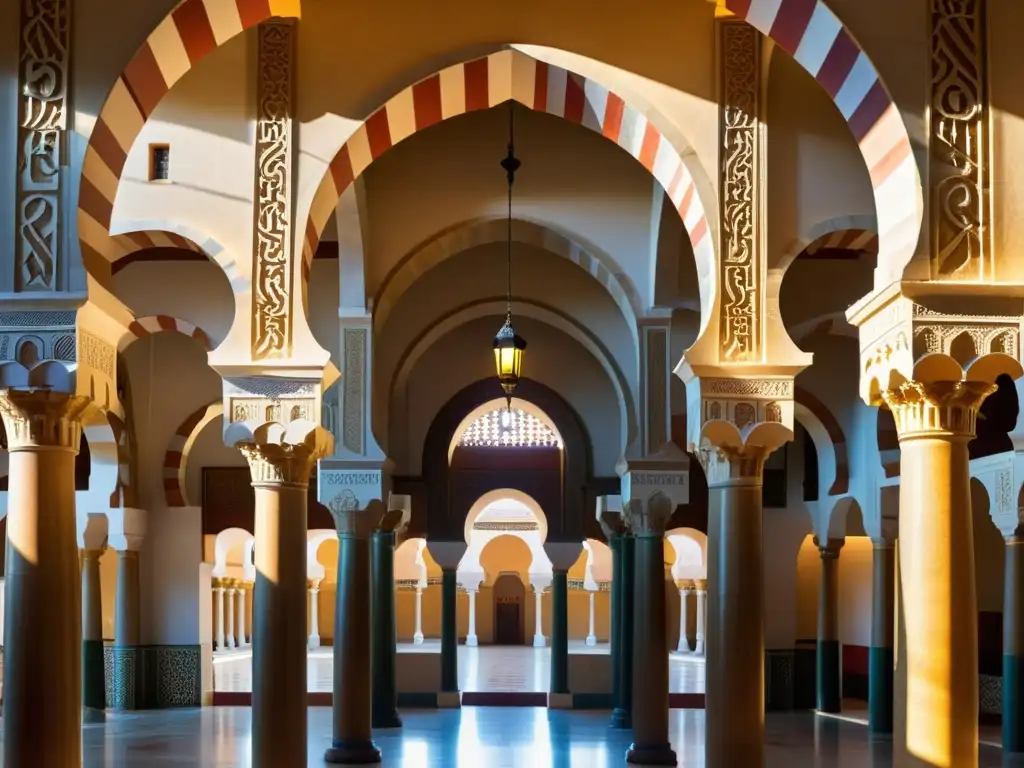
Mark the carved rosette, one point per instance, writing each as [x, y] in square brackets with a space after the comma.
[649, 518]
[43, 73]
[273, 249]
[961, 234]
[42, 419]
[741, 269]
[937, 408]
[279, 464]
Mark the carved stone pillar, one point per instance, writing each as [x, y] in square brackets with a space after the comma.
[280, 462]
[935, 422]
[94, 696]
[128, 669]
[42, 588]
[828, 662]
[647, 519]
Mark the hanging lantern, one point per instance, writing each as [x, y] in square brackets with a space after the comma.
[508, 356]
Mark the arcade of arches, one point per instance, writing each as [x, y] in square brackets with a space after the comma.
[762, 471]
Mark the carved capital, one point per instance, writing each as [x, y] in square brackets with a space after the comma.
[930, 409]
[830, 549]
[279, 464]
[734, 465]
[352, 519]
[650, 517]
[92, 555]
[39, 418]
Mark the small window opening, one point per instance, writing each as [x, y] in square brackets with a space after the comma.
[159, 162]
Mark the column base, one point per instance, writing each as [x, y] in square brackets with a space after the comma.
[591, 640]
[651, 754]
[314, 642]
[352, 752]
[229, 643]
[699, 650]
[449, 700]
[472, 641]
[539, 641]
[684, 649]
[417, 639]
[621, 718]
[388, 719]
[560, 701]
[93, 716]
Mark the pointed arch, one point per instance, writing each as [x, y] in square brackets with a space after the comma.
[186, 35]
[178, 449]
[514, 75]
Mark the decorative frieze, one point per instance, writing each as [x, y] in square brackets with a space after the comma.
[52, 334]
[657, 369]
[960, 212]
[354, 383]
[270, 399]
[43, 76]
[740, 168]
[273, 249]
[485, 526]
[95, 353]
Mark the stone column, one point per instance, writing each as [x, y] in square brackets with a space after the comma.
[218, 591]
[280, 478]
[539, 640]
[647, 519]
[701, 589]
[828, 662]
[448, 555]
[417, 636]
[42, 588]
[352, 742]
[622, 715]
[127, 657]
[94, 696]
[241, 633]
[229, 609]
[935, 421]
[881, 661]
[562, 556]
[385, 630]
[314, 614]
[591, 637]
[685, 588]
[1013, 647]
[471, 639]
[735, 610]
[613, 528]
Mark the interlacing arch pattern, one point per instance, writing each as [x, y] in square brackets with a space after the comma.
[835, 432]
[176, 458]
[191, 31]
[146, 326]
[855, 240]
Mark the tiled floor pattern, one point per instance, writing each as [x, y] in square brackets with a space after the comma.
[477, 738]
[481, 669]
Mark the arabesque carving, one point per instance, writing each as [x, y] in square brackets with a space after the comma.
[42, 142]
[272, 239]
[961, 237]
[740, 334]
[354, 340]
[937, 406]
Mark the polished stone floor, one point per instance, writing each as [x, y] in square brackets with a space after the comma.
[476, 737]
[481, 669]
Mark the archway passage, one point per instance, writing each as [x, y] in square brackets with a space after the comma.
[509, 601]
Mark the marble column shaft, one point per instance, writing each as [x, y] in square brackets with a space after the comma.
[622, 715]
[828, 662]
[127, 662]
[1013, 646]
[94, 695]
[417, 636]
[385, 633]
[615, 621]
[591, 637]
[881, 659]
[734, 631]
[683, 646]
[559, 682]
[449, 632]
[42, 585]
[219, 597]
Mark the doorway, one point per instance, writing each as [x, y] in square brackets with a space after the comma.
[509, 596]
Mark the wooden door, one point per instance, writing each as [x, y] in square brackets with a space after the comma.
[509, 596]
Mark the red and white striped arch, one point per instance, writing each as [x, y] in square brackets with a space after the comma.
[858, 240]
[486, 82]
[147, 326]
[191, 31]
[814, 36]
[178, 449]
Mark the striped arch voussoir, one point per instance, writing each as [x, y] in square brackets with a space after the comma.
[495, 79]
[841, 484]
[192, 30]
[147, 326]
[821, 44]
[856, 240]
[176, 458]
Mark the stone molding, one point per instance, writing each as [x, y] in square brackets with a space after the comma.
[39, 418]
[929, 409]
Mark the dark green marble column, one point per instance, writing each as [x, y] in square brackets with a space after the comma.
[881, 660]
[385, 662]
[622, 716]
[1013, 647]
[559, 632]
[615, 620]
[352, 739]
[94, 695]
[649, 705]
[449, 633]
[828, 663]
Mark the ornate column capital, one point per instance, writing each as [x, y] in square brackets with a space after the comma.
[734, 465]
[354, 520]
[284, 456]
[685, 585]
[830, 549]
[936, 408]
[649, 517]
[41, 418]
[609, 517]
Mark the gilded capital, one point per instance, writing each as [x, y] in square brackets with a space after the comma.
[649, 517]
[41, 418]
[283, 464]
[936, 408]
[734, 464]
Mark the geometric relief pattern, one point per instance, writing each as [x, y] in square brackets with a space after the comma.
[179, 676]
[153, 676]
[123, 679]
[495, 79]
[990, 694]
[959, 192]
[779, 679]
[193, 29]
[42, 125]
[504, 428]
